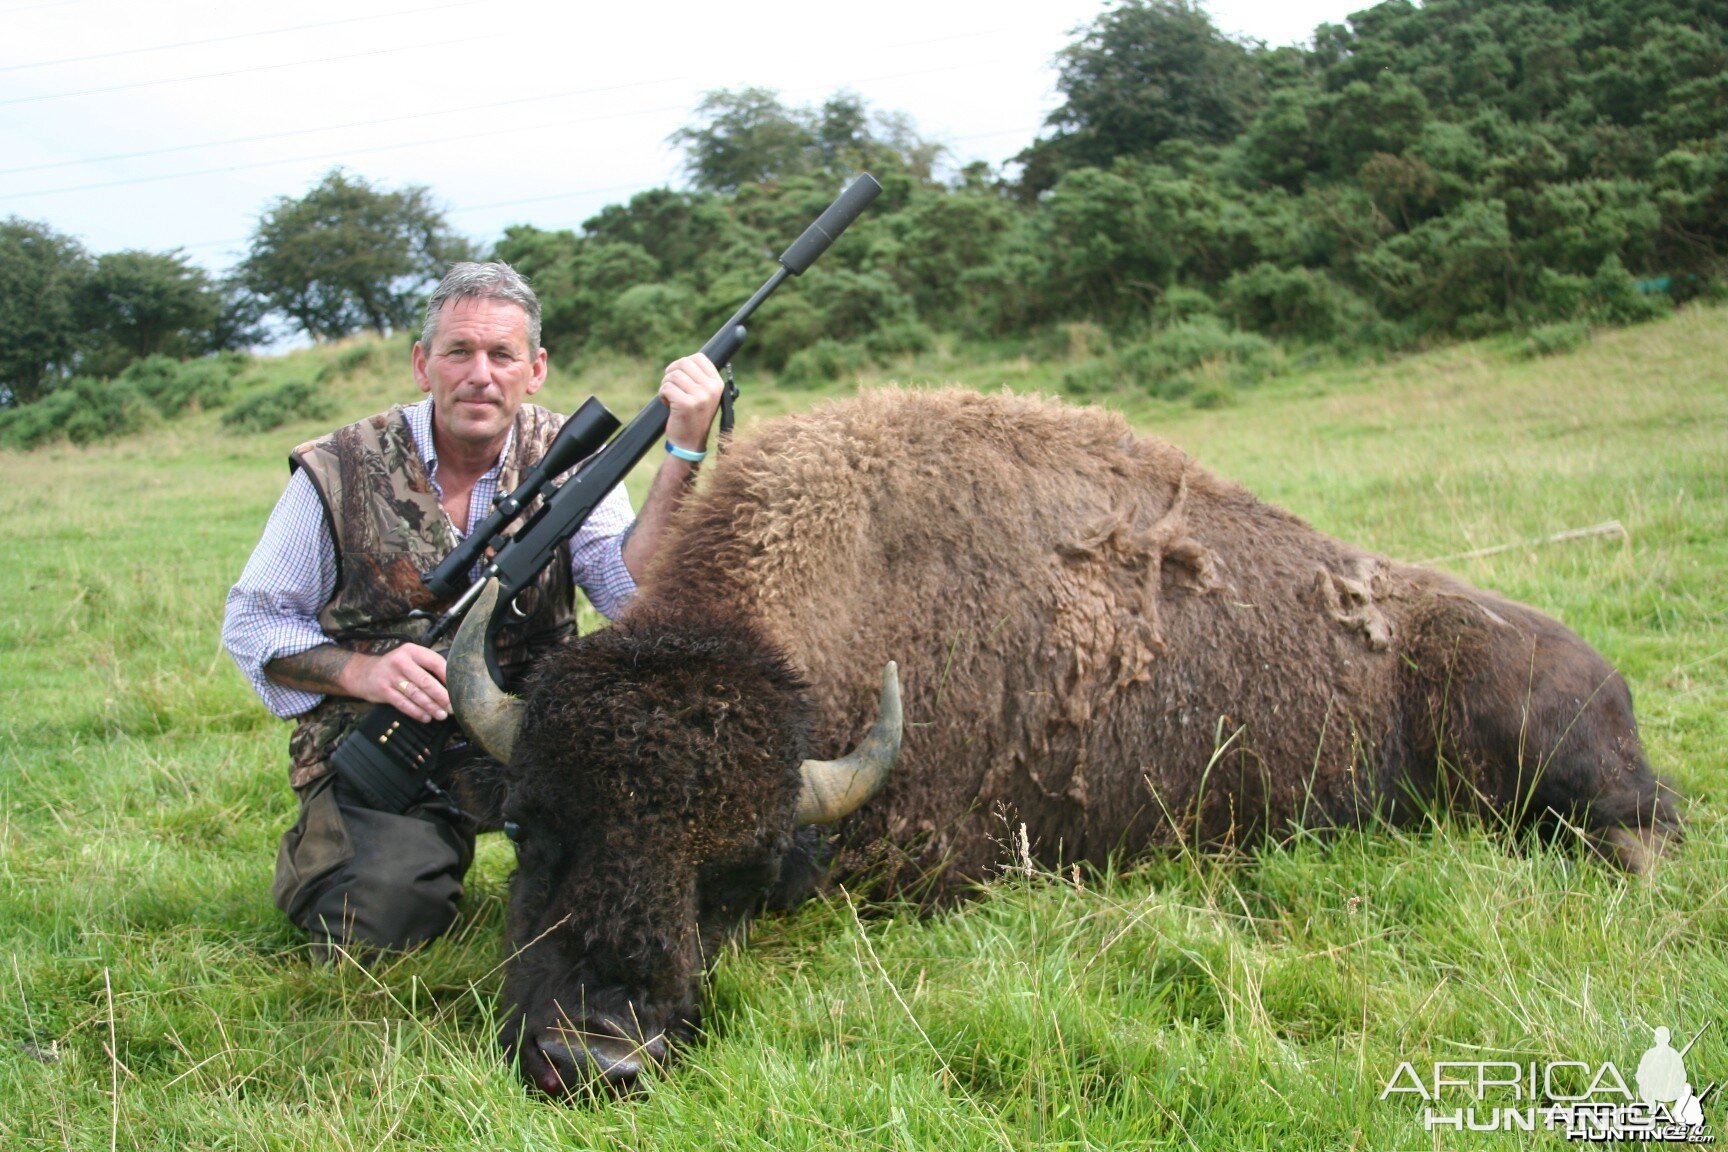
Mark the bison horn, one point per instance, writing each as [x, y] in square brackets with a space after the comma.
[490, 715]
[836, 788]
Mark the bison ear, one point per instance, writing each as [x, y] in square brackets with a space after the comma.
[836, 788]
[490, 715]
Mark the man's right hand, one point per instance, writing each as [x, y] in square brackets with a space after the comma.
[409, 679]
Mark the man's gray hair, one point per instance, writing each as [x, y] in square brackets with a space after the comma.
[492, 280]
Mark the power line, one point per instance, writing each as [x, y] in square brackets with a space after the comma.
[486, 133]
[283, 135]
[34, 7]
[252, 69]
[445, 139]
[337, 127]
[235, 36]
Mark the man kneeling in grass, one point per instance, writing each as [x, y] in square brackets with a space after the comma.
[327, 618]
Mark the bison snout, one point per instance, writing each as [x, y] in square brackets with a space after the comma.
[561, 1061]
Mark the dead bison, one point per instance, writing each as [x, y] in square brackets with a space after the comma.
[1097, 638]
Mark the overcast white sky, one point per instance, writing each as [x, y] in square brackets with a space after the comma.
[140, 124]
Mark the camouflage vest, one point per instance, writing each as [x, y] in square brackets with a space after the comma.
[388, 528]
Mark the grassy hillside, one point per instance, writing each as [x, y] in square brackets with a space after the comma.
[155, 998]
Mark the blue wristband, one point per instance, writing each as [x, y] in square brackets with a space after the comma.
[685, 453]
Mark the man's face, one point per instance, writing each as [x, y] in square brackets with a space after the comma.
[479, 369]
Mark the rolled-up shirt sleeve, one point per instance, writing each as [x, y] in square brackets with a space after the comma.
[273, 609]
[597, 555]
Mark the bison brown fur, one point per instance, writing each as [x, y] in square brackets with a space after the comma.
[1098, 639]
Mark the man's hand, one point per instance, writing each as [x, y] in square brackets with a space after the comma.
[409, 678]
[691, 387]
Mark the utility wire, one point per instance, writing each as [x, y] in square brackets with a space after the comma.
[234, 36]
[486, 133]
[338, 127]
[399, 145]
[34, 7]
[251, 69]
[370, 123]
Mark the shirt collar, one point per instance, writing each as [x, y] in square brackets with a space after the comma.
[420, 427]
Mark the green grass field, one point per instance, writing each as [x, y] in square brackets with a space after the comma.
[154, 998]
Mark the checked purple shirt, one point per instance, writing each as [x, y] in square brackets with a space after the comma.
[273, 609]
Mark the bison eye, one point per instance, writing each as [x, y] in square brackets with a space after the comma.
[513, 830]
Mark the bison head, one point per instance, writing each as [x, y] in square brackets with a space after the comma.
[656, 784]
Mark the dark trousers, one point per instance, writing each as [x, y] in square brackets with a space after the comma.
[360, 881]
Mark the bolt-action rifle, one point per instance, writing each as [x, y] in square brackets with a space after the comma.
[389, 755]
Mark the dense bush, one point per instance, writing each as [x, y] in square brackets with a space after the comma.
[86, 409]
[1454, 274]
[1615, 296]
[654, 320]
[1553, 339]
[1173, 361]
[83, 410]
[899, 338]
[353, 360]
[1295, 303]
[824, 362]
[172, 385]
[1195, 355]
[274, 407]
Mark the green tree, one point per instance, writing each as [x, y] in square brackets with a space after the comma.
[749, 136]
[348, 255]
[240, 322]
[744, 137]
[1144, 72]
[137, 304]
[850, 137]
[42, 273]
